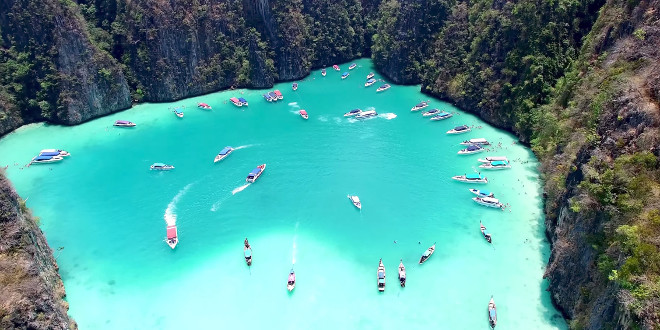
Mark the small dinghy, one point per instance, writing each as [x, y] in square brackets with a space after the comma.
[383, 88]
[124, 123]
[352, 66]
[492, 313]
[427, 254]
[402, 274]
[381, 276]
[204, 106]
[459, 129]
[291, 283]
[172, 236]
[482, 193]
[304, 114]
[370, 75]
[356, 201]
[485, 233]
[323, 73]
[247, 252]
[345, 75]
[294, 86]
[243, 101]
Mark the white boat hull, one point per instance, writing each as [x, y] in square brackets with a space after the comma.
[493, 205]
[463, 179]
[492, 159]
[464, 152]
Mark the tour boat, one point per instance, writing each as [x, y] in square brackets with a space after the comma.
[492, 159]
[485, 233]
[492, 313]
[161, 167]
[370, 75]
[356, 201]
[419, 106]
[482, 193]
[124, 123]
[247, 252]
[473, 149]
[352, 66]
[476, 178]
[223, 153]
[178, 112]
[236, 102]
[381, 276]
[478, 141]
[442, 115]
[54, 152]
[204, 106]
[402, 274]
[383, 88]
[369, 82]
[268, 98]
[366, 114]
[256, 173]
[45, 159]
[431, 112]
[336, 67]
[427, 254]
[459, 129]
[353, 113]
[279, 94]
[496, 165]
[243, 101]
[489, 201]
[344, 75]
[172, 237]
[304, 114]
[323, 72]
[51, 154]
[291, 283]
[294, 86]
[273, 96]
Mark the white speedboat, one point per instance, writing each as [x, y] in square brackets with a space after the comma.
[370, 75]
[473, 149]
[472, 178]
[431, 112]
[172, 236]
[124, 123]
[356, 201]
[419, 106]
[352, 113]
[459, 129]
[54, 152]
[442, 116]
[496, 165]
[161, 167]
[223, 153]
[369, 82]
[381, 276]
[45, 159]
[345, 75]
[383, 88]
[243, 101]
[278, 94]
[304, 114]
[482, 193]
[492, 159]
[352, 66]
[478, 141]
[488, 201]
[367, 114]
[256, 173]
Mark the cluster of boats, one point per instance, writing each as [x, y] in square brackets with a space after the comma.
[238, 101]
[402, 269]
[435, 114]
[273, 96]
[49, 156]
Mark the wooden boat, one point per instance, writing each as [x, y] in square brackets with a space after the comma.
[172, 236]
[291, 283]
[427, 254]
[485, 233]
[247, 252]
[381, 276]
[304, 114]
[356, 201]
[492, 313]
[402, 274]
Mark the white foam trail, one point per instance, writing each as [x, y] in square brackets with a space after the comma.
[293, 103]
[216, 205]
[245, 146]
[337, 120]
[323, 118]
[170, 211]
[239, 189]
[388, 116]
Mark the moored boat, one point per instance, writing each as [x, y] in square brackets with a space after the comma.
[485, 233]
[273, 96]
[291, 283]
[236, 102]
[442, 115]
[419, 106]
[268, 98]
[178, 112]
[431, 112]
[492, 159]
[124, 123]
[383, 88]
[54, 152]
[472, 149]
[352, 113]
[243, 101]
[477, 141]
[304, 114]
[352, 66]
[223, 153]
[427, 254]
[345, 75]
[161, 167]
[492, 313]
[323, 72]
[45, 159]
[294, 86]
[459, 129]
[402, 274]
[475, 178]
[489, 201]
[496, 165]
[370, 75]
[356, 201]
[172, 236]
[336, 67]
[369, 82]
[367, 114]
[482, 193]
[278, 94]
[381, 276]
[204, 106]
[247, 252]
[256, 173]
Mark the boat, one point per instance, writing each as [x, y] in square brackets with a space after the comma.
[204, 106]
[294, 86]
[476, 178]
[279, 94]
[473, 149]
[383, 88]
[345, 75]
[370, 75]
[243, 101]
[369, 82]
[45, 159]
[478, 141]
[178, 112]
[268, 98]
[161, 167]
[489, 201]
[366, 114]
[273, 96]
[431, 112]
[353, 113]
[402, 274]
[441, 116]
[256, 173]
[323, 72]
[124, 123]
[492, 159]
[304, 114]
[172, 237]
[356, 201]
[223, 153]
[419, 106]
[459, 129]
[485, 233]
[336, 67]
[482, 193]
[492, 313]
[291, 283]
[352, 66]
[247, 252]
[54, 152]
[236, 102]
[496, 165]
[427, 254]
[381, 276]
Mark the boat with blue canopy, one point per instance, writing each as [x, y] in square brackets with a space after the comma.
[344, 75]
[54, 152]
[473, 149]
[243, 101]
[178, 112]
[442, 115]
[352, 113]
[420, 106]
[223, 153]
[273, 96]
[496, 165]
[370, 75]
[45, 159]
[492, 313]
[459, 129]
[383, 88]
[431, 112]
[482, 193]
[473, 178]
[256, 173]
[161, 167]
[381, 276]
[427, 254]
[369, 82]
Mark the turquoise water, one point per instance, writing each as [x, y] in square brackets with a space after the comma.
[105, 212]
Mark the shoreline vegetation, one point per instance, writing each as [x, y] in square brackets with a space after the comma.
[574, 80]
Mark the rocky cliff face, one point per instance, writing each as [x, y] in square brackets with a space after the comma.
[32, 291]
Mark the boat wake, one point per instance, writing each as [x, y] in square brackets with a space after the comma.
[245, 146]
[170, 211]
[388, 116]
[294, 104]
[323, 118]
[239, 189]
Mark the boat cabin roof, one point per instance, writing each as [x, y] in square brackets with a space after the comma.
[122, 122]
[233, 99]
[277, 92]
[371, 80]
[242, 99]
[345, 74]
[421, 104]
[248, 252]
[303, 112]
[499, 162]
[226, 150]
[473, 148]
[256, 171]
[159, 164]
[43, 157]
[484, 192]
[171, 231]
[461, 128]
[50, 153]
[490, 200]
[473, 176]
[381, 275]
[178, 110]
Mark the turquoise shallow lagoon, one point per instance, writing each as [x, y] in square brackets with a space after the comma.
[103, 212]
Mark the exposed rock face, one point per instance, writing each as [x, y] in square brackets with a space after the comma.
[32, 291]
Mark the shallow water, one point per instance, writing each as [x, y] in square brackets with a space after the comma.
[108, 212]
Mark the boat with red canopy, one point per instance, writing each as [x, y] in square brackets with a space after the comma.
[203, 106]
[172, 237]
[304, 114]
[278, 94]
[236, 102]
